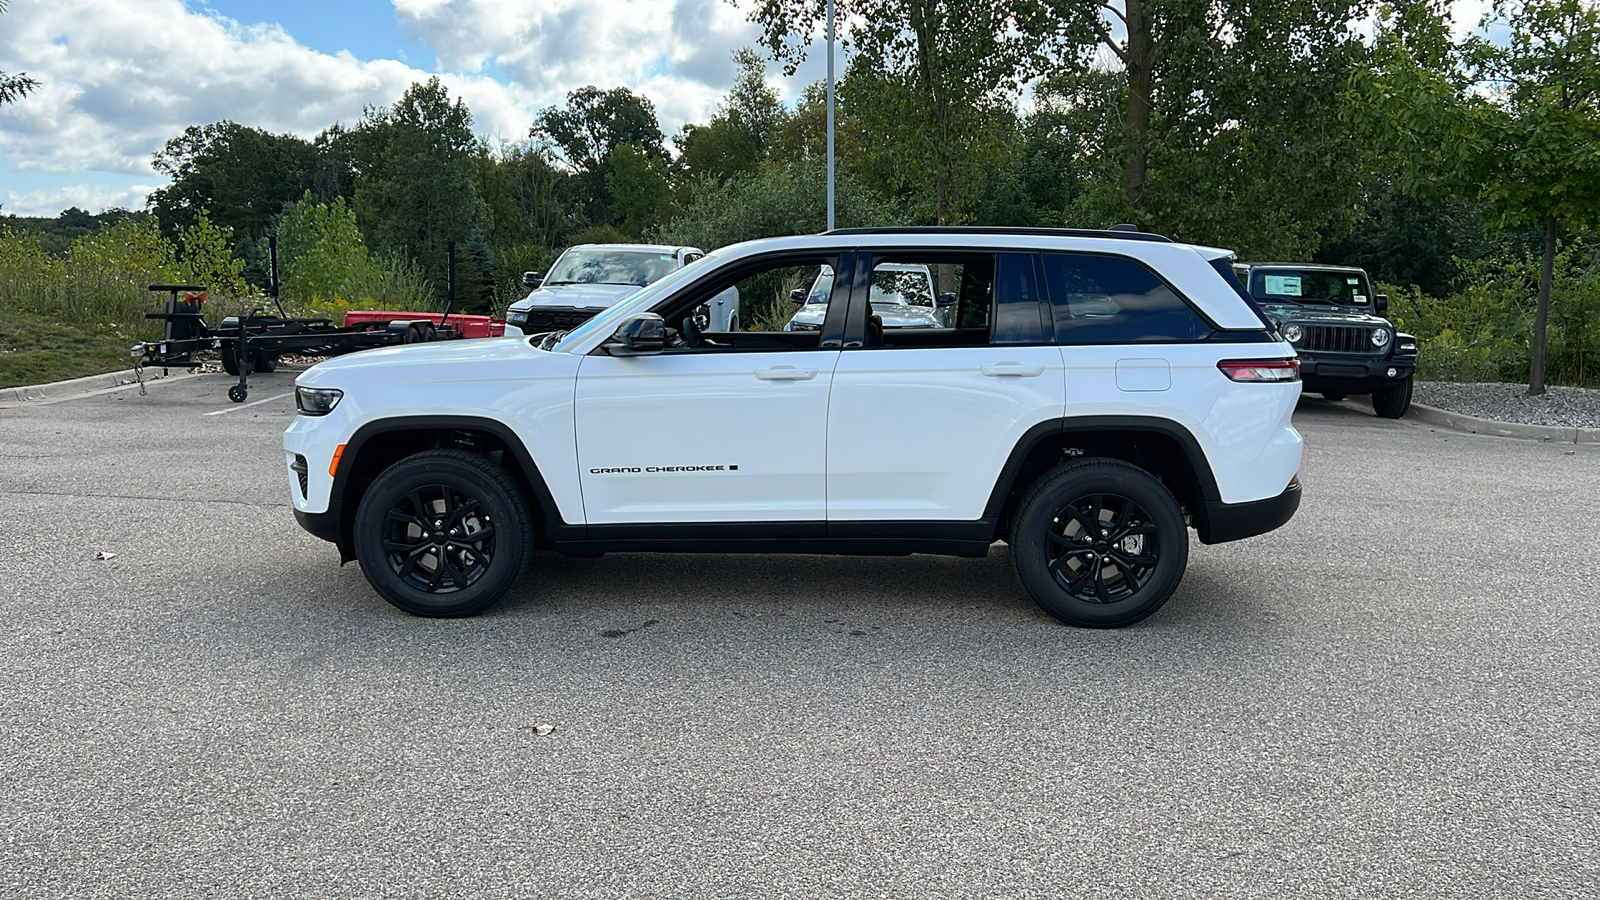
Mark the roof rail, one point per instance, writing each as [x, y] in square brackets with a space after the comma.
[989, 229]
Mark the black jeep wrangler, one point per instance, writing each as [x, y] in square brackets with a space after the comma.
[1336, 325]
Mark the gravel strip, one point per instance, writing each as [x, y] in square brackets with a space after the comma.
[1562, 406]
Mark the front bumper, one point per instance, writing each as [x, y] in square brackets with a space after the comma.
[1353, 374]
[1220, 522]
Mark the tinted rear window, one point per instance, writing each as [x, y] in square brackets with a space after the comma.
[1115, 300]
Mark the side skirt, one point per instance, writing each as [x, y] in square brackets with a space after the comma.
[967, 539]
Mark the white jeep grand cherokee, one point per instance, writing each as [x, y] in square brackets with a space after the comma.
[1096, 394]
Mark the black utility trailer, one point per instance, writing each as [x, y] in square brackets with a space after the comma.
[253, 342]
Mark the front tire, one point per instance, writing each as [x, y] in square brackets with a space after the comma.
[1393, 401]
[443, 533]
[1099, 543]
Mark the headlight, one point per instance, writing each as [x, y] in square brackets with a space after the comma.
[316, 401]
[1380, 336]
[1293, 333]
[516, 317]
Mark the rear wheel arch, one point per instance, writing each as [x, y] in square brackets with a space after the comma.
[378, 445]
[1161, 447]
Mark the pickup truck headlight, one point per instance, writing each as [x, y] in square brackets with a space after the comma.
[1293, 333]
[1380, 336]
[516, 317]
[316, 401]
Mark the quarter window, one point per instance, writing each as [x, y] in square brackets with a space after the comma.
[1114, 300]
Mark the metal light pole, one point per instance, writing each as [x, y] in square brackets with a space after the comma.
[830, 115]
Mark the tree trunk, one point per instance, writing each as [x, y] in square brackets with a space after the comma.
[923, 28]
[1541, 313]
[1140, 63]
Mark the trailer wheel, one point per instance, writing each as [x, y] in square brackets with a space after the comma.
[267, 362]
[230, 362]
[429, 333]
[237, 393]
[443, 533]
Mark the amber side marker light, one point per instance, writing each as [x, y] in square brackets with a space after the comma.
[333, 467]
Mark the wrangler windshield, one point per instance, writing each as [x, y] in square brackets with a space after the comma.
[1322, 286]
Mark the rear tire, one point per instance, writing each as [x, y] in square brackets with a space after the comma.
[267, 362]
[1108, 579]
[1393, 401]
[443, 533]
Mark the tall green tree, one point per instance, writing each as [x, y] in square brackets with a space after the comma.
[244, 176]
[1539, 163]
[415, 186]
[741, 135]
[582, 135]
[931, 78]
[14, 87]
[1222, 118]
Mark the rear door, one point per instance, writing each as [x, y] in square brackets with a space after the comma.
[923, 420]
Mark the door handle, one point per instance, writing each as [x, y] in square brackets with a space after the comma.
[1013, 369]
[786, 373]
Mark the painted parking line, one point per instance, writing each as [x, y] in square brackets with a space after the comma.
[219, 412]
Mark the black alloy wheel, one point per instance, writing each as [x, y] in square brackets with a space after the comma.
[1099, 543]
[1105, 548]
[443, 533]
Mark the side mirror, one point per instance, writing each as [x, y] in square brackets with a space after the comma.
[1380, 303]
[947, 299]
[532, 279]
[798, 295]
[640, 334]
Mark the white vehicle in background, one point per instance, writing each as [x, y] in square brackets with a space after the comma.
[902, 296]
[588, 278]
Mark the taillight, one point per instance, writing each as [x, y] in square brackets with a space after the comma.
[1260, 370]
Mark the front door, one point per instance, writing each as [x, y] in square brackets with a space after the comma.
[722, 427]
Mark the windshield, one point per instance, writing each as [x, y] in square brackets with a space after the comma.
[637, 267]
[822, 288]
[901, 287]
[1345, 288]
[607, 320]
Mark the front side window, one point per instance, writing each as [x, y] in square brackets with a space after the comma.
[1115, 300]
[770, 299]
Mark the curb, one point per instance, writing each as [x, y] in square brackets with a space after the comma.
[1562, 434]
[73, 388]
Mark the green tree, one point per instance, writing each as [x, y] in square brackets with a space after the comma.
[14, 87]
[1221, 119]
[415, 186]
[582, 136]
[638, 189]
[243, 176]
[741, 134]
[930, 79]
[1539, 127]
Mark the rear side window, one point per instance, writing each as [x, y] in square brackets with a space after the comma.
[1115, 300]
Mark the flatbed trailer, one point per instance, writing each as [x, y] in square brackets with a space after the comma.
[253, 342]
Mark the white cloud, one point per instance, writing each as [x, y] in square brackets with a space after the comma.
[120, 77]
[676, 52]
[91, 197]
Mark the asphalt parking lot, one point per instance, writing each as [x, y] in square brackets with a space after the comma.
[1393, 695]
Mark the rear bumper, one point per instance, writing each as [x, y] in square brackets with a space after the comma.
[1220, 522]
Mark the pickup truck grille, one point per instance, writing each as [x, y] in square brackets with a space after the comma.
[556, 318]
[1338, 338]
